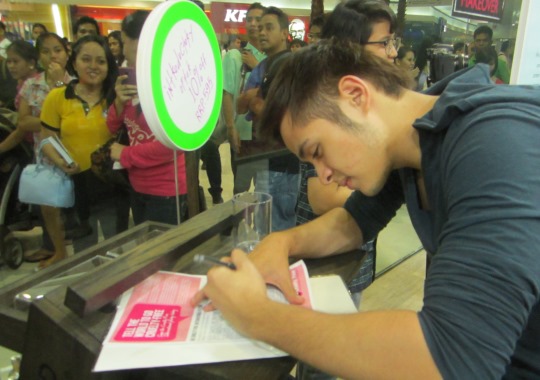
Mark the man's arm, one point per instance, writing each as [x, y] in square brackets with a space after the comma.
[228, 115]
[250, 89]
[245, 98]
[334, 232]
[374, 345]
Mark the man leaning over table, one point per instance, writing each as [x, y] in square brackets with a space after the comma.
[463, 156]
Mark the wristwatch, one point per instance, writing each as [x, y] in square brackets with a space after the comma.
[59, 83]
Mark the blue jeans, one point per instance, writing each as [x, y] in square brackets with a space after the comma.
[283, 187]
[156, 208]
[245, 173]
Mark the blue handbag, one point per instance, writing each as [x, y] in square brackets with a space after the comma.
[45, 184]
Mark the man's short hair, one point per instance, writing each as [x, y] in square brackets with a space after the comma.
[283, 18]
[307, 84]
[460, 45]
[85, 20]
[133, 23]
[487, 55]
[317, 21]
[256, 6]
[505, 46]
[484, 29]
[198, 3]
[38, 25]
[354, 19]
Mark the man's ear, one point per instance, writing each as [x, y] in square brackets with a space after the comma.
[285, 34]
[356, 90]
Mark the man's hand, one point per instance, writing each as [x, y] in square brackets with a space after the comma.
[249, 59]
[271, 257]
[242, 104]
[234, 138]
[238, 294]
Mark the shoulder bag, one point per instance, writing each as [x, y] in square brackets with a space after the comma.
[45, 184]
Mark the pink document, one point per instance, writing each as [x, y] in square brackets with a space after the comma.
[155, 325]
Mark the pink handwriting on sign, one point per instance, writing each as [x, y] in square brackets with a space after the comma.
[150, 323]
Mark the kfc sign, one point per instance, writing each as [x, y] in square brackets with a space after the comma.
[229, 18]
[235, 15]
[478, 9]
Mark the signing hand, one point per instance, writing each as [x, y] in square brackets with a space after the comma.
[239, 294]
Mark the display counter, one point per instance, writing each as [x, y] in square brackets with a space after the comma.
[59, 333]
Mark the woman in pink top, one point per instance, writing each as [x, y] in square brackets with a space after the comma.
[149, 163]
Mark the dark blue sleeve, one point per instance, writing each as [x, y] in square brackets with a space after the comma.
[372, 214]
[255, 78]
[484, 279]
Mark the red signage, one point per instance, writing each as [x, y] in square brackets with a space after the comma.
[229, 18]
[490, 10]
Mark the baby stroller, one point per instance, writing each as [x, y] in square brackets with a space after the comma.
[13, 214]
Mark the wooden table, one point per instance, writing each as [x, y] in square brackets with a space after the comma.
[60, 337]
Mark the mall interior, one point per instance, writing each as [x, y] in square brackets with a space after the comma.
[401, 260]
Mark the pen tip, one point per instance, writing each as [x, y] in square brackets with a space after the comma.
[198, 258]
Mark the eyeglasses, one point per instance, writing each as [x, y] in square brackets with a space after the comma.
[389, 44]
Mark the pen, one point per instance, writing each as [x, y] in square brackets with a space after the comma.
[202, 258]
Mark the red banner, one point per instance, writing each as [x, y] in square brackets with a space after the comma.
[230, 18]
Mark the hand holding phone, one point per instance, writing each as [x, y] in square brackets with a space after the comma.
[131, 75]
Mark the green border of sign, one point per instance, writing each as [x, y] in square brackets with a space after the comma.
[184, 10]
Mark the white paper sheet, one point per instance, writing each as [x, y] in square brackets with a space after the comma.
[155, 325]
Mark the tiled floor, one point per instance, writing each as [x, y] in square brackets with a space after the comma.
[397, 242]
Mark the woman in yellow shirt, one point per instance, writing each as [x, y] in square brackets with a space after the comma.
[77, 114]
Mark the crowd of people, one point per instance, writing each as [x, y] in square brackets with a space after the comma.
[73, 90]
[367, 132]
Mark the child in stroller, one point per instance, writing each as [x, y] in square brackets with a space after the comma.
[13, 214]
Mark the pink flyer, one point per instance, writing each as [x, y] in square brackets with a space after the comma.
[159, 309]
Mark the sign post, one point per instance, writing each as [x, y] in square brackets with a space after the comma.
[179, 75]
